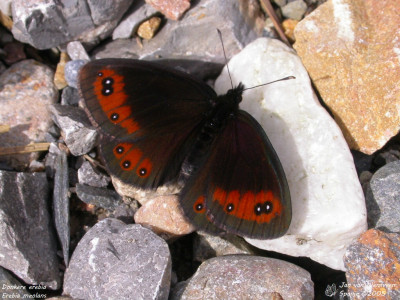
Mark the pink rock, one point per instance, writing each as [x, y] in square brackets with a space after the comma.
[163, 215]
[172, 9]
[26, 91]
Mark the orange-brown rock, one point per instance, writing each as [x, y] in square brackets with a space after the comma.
[373, 266]
[351, 50]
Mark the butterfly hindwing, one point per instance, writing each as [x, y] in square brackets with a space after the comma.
[147, 115]
[241, 188]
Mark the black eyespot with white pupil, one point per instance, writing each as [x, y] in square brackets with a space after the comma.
[107, 86]
[114, 117]
[230, 207]
[126, 164]
[120, 149]
[108, 81]
[199, 207]
[263, 208]
[142, 172]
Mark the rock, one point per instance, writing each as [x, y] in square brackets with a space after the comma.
[71, 71]
[208, 246]
[27, 84]
[247, 277]
[61, 203]
[90, 176]
[138, 12]
[70, 96]
[28, 248]
[119, 261]
[382, 198]
[47, 24]
[372, 264]
[59, 77]
[163, 215]
[79, 135]
[10, 287]
[76, 51]
[98, 196]
[349, 49]
[195, 36]
[148, 28]
[172, 9]
[5, 7]
[309, 145]
[294, 10]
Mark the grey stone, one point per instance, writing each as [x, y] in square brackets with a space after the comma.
[118, 261]
[28, 247]
[71, 71]
[90, 176]
[246, 277]
[195, 36]
[138, 12]
[108, 10]
[80, 137]
[11, 288]
[47, 24]
[383, 198]
[70, 96]
[294, 10]
[61, 203]
[76, 51]
[100, 197]
[208, 246]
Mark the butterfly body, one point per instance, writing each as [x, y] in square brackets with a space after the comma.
[159, 125]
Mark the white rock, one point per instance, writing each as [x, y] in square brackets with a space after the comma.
[327, 200]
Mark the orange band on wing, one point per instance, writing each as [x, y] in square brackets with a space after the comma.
[261, 207]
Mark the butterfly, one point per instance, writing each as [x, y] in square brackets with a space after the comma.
[159, 125]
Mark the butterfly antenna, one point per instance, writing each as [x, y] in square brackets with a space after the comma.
[282, 79]
[226, 60]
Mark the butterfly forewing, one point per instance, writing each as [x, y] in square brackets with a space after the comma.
[147, 115]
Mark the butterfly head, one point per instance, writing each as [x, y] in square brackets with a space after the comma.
[235, 94]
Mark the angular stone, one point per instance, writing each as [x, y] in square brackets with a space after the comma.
[383, 198]
[164, 216]
[149, 28]
[247, 277]
[294, 10]
[195, 36]
[138, 12]
[79, 135]
[76, 51]
[70, 96]
[118, 261]
[309, 145]
[59, 77]
[90, 176]
[373, 266]
[27, 84]
[61, 203]
[47, 24]
[100, 197]
[351, 50]
[208, 246]
[71, 71]
[11, 288]
[28, 247]
[172, 9]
